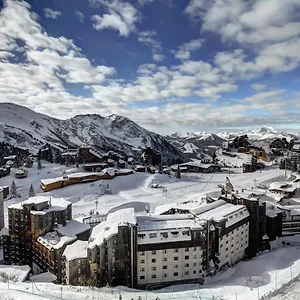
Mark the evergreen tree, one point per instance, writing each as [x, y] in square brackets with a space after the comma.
[39, 166]
[178, 172]
[214, 157]
[39, 155]
[31, 191]
[50, 156]
[282, 164]
[13, 191]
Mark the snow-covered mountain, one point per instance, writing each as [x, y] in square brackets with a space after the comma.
[200, 144]
[23, 127]
[259, 134]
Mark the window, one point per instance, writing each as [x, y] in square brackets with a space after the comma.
[165, 259]
[176, 258]
[142, 277]
[175, 250]
[142, 261]
[175, 274]
[194, 272]
[227, 235]
[226, 242]
[226, 256]
[165, 251]
[165, 267]
[142, 253]
[186, 232]
[142, 269]
[175, 266]
[186, 273]
[141, 236]
[152, 235]
[221, 246]
[200, 271]
[226, 249]
[195, 256]
[221, 238]
[186, 265]
[165, 275]
[153, 276]
[153, 252]
[164, 235]
[186, 249]
[186, 257]
[195, 248]
[153, 268]
[195, 264]
[153, 260]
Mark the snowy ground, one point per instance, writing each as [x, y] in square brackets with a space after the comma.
[247, 280]
[133, 190]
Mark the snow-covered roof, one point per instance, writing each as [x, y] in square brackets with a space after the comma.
[4, 231]
[206, 207]
[110, 226]
[52, 240]
[232, 214]
[168, 224]
[55, 204]
[73, 228]
[283, 186]
[10, 157]
[76, 251]
[19, 273]
[51, 180]
[197, 163]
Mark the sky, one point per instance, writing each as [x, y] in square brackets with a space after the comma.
[169, 65]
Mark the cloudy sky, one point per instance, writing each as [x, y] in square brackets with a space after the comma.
[170, 65]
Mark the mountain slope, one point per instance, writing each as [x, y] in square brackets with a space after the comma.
[25, 128]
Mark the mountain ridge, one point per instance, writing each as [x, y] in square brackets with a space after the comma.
[26, 128]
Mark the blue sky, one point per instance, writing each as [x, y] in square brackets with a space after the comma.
[169, 65]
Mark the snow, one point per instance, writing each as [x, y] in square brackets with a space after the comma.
[203, 208]
[110, 226]
[167, 224]
[52, 240]
[135, 191]
[14, 273]
[76, 250]
[73, 228]
[282, 186]
[232, 214]
[43, 277]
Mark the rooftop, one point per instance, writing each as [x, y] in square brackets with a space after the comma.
[52, 240]
[76, 251]
[73, 228]
[168, 224]
[110, 226]
[55, 204]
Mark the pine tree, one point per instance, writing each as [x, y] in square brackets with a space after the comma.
[178, 172]
[13, 191]
[31, 191]
[39, 166]
[39, 156]
[50, 156]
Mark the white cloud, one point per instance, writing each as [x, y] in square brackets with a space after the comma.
[144, 2]
[214, 91]
[147, 38]
[51, 14]
[79, 15]
[121, 16]
[185, 50]
[158, 57]
[27, 29]
[258, 86]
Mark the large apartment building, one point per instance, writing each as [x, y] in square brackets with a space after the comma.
[157, 250]
[30, 219]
